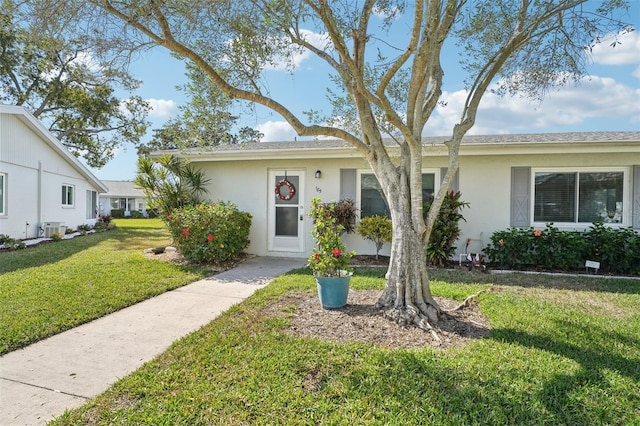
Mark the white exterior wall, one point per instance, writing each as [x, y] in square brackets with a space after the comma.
[246, 184]
[484, 180]
[35, 173]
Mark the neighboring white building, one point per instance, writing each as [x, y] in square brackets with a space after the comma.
[43, 187]
[122, 195]
[571, 179]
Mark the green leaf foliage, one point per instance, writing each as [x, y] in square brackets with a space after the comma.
[617, 249]
[378, 229]
[330, 256]
[210, 233]
[446, 229]
[58, 78]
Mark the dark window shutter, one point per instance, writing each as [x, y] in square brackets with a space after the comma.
[348, 184]
[455, 184]
[635, 198]
[520, 197]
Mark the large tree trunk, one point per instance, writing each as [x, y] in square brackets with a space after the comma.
[407, 298]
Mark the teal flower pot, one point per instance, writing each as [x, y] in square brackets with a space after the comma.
[333, 291]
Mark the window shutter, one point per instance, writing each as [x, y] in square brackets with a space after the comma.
[520, 188]
[348, 184]
[455, 184]
[635, 198]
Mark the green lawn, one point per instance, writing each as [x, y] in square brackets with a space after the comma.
[561, 351]
[53, 287]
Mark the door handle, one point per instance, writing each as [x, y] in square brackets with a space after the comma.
[301, 218]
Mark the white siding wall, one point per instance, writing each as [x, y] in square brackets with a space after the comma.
[21, 154]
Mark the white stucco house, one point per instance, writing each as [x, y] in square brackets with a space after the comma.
[43, 187]
[570, 179]
[122, 195]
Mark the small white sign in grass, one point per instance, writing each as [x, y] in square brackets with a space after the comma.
[592, 264]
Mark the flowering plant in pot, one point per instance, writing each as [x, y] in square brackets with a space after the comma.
[329, 258]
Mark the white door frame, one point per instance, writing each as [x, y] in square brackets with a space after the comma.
[286, 243]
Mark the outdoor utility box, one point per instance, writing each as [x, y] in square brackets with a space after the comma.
[51, 228]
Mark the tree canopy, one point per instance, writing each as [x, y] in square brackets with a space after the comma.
[204, 121]
[56, 76]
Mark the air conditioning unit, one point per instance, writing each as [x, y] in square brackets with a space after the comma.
[51, 228]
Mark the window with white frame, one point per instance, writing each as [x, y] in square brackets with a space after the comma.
[372, 202]
[3, 192]
[580, 196]
[68, 195]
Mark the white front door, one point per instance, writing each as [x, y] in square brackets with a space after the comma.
[286, 210]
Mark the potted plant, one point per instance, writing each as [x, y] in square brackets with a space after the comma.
[329, 260]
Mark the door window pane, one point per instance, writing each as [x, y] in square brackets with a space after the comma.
[287, 221]
[284, 190]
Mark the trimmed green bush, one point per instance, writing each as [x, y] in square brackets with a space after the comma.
[377, 229]
[117, 213]
[210, 233]
[617, 249]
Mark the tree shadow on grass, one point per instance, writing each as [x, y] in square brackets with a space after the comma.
[451, 390]
[551, 281]
[55, 251]
[617, 353]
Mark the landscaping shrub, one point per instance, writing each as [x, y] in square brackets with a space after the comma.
[135, 214]
[117, 213]
[209, 233]
[105, 218]
[377, 229]
[343, 211]
[617, 249]
[104, 223]
[446, 229]
[9, 243]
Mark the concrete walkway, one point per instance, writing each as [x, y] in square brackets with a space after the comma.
[39, 382]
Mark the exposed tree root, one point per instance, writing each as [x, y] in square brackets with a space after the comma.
[410, 316]
[468, 300]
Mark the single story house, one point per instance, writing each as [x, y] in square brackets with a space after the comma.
[570, 179]
[122, 195]
[43, 187]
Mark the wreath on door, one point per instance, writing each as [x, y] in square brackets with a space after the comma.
[289, 191]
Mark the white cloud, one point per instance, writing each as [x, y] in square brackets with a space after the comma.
[276, 131]
[568, 108]
[162, 108]
[627, 52]
[298, 55]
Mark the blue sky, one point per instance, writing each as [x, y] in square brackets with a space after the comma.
[608, 99]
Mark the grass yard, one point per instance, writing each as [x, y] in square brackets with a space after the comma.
[53, 287]
[561, 351]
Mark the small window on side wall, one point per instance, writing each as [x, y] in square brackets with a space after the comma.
[68, 197]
